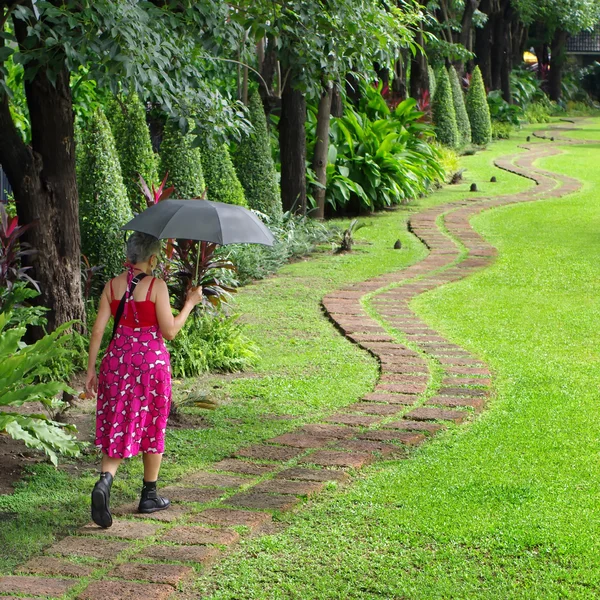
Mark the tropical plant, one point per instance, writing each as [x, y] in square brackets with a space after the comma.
[211, 342]
[345, 238]
[501, 111]
[182, 161]
[478, 110]
[444, 115]
[526, 88]
[195, 263]
[127, 118]
[537, 112]
[103, 202]
[21, 368]
[374, 163]
[462, 118]
[222, 182]
[295, 236]
[12, 250]
[501, 130]
[254, 164]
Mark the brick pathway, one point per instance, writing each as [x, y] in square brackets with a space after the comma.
[143, 557]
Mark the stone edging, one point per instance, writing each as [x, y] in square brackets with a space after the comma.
[407, 407]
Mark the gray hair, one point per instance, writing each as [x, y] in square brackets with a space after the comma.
[141, 246]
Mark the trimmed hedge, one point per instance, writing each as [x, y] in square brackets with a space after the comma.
[478, 110]
[254, 164]
[221, 180]
[132, 139]
[103, 203]
[444, 116]
[462, 118]
[182, 162]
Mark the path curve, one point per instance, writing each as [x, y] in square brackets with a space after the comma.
[425, 383]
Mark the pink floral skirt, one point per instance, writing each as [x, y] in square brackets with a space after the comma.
[134, 393]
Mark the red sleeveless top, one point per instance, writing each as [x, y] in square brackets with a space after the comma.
[145, 309]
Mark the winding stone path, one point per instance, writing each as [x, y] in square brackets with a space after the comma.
[427, 383]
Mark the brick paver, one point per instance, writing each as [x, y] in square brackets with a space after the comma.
[197, 535]
[169, 574]
[118, 590]
[37, 586]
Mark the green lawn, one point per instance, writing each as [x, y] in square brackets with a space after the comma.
[505, 507]
[307, 370]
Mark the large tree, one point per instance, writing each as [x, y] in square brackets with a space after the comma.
[552, 21]
[304, 48]
[151, 48]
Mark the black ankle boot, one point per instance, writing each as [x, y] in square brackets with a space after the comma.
[101, 501]
[150, 501]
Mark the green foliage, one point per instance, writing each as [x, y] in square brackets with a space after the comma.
[501, 130]
[210, 342]
[501, 111]
[478, 110]
[156, 49]
[379, 157]
[103, 203]
[254, 164]
[295, 236]
[22, 368]
[443, 112]
[448, 160]
[222, 182]
[182, 161]
[462, 118]
[127, 118]
[526, 88]
[537, 112]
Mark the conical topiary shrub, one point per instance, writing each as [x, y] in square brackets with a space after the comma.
[431, 75]
[443, 113]
[478, 110]
[462, 118]
[103, 203]
[132, 139]
[254, 164]
[221, 180]
[182, 162]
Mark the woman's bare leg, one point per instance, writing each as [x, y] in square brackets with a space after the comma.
[110, 465]
[151, 466]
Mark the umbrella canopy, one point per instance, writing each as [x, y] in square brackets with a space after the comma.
[203, 220]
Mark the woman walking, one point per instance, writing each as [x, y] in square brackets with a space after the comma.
[134, 384]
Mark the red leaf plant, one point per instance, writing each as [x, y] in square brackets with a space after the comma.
[12, 250]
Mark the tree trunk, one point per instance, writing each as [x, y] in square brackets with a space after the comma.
[507, 44]
[466, 34]
[467, 22]
[498, 37]
[419, 77]
[557, 61]
[268, 71]
[43, 180]
[483, 46]
[399, 81]
[337, 106]
[292, 145]
[322, 149]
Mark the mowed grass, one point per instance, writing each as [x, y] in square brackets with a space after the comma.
[307, 369]
[506, 506]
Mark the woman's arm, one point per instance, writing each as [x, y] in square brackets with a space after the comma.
[170, 325]
[91, 384]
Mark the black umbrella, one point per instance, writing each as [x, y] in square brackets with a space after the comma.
[202, 220]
